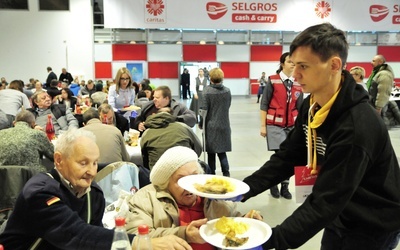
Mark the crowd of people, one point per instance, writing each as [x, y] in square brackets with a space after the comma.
[314, 115]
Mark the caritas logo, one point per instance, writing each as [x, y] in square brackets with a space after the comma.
[378, 12]
[216, 10]
[155, 7]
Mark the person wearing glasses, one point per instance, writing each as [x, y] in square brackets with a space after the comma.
[122, 93]
[358, 74]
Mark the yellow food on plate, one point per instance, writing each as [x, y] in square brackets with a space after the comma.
[225, 225]
[215, 185]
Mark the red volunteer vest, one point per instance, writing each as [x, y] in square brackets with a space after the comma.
[281, 112]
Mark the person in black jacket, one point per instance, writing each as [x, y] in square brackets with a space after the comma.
[347, 150]
[51, 76]
[185, 83]
[65, 76]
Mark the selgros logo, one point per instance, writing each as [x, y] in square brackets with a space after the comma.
[378, 12]
[216, 10]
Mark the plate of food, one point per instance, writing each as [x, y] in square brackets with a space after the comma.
[213, 186]
[235, 232]
[130, 108]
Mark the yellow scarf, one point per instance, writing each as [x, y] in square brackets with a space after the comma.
[315, 119]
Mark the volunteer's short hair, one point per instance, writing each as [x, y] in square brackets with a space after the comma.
[324, 40]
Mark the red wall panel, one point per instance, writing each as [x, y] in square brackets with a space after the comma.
[129, 52]
[365, 65]
[198, 53]
[235, 69]
[103, 70]
[391, 53]
[265, 53]
[163, 69]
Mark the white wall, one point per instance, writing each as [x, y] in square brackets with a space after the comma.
[32, 40]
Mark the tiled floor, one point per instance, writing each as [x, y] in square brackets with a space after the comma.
[250, 152]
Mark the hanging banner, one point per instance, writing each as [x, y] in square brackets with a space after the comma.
[282, 15]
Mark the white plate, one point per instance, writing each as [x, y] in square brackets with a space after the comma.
[188, 182]
[258, 233]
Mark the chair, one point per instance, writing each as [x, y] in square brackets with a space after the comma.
[12, 181]
[115, 177]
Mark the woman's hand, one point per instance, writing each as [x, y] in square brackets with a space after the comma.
[192, 231]
[169, 242]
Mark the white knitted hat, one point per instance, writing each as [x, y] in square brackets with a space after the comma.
[169, 162]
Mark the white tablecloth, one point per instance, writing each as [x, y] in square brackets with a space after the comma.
[135, 153]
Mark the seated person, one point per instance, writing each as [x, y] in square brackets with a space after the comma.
[24, 146]
[186, 212]
[63, 119]
[53, 90]
[162, 99]
[99, 97]
[108, 138]
[53, 209]
[164, 132]
[108, 116]
[142, 99]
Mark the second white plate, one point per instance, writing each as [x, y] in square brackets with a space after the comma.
[188, 182]
[258, 233]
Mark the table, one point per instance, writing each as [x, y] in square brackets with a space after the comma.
[135, 153]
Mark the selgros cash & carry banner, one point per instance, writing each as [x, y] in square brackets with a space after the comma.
[286, 15]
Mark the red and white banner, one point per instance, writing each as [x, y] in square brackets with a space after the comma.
[286, 15]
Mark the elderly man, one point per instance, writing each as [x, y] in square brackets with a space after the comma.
[63, 209]
[108, 116]
[22, 145]
[109, 138]
[162, 98]
[163, 133]
[168, 209]
[62, 118]
[380, 84]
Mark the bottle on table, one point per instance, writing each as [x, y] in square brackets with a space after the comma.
[120, 240]
[51, 134]
[144, 241]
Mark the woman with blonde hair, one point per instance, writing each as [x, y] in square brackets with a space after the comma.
[122, 93]
[215, 111]
[358, 74]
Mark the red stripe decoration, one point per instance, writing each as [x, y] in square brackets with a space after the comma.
[391, 53]
[163, 69]
[103, 70]
[265, 53]
[130, 52]
[199, 53]
[235, 69]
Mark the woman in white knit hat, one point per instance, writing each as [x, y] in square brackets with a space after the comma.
[169, 209]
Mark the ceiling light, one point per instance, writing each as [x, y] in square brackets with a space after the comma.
[221, 42]
[179, 42]
[202, 42]
[150, 42]
[133, 42]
